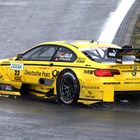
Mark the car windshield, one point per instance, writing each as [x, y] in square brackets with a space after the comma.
[100, 55]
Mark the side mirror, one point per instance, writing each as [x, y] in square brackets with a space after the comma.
[19, 56]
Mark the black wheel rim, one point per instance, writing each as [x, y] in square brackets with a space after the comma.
[67, 88]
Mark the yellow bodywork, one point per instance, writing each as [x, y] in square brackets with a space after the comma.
[92, 88]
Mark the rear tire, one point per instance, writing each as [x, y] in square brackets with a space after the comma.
[68, 87]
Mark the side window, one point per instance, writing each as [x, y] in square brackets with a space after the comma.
[33, 53]
[47, 53]
[40, 53]
[64, 54]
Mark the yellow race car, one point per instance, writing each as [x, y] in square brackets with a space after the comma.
[73, 71]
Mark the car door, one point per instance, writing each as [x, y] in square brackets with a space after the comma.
[36, 64]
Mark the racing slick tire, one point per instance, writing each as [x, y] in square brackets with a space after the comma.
[68, 87]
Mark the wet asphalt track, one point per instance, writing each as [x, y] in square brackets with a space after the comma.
[27, 23]
[40, 120]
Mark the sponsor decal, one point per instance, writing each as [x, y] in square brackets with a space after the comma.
[134, 73]
[45, 74]
[133, 79]
[43, 88]
[62, 59]
[65, 57]
[89, 95]
[32, 73]
[90, 87]
[37, 73]
[111, 83]
[17, 78]
[55, 73]
[88, 71]
[16, 66]
[137, 83]
[113, 53]
[80, 60]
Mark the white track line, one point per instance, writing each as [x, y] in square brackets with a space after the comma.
[115, 20]
[12, 3]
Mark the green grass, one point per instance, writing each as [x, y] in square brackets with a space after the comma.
[135, 38]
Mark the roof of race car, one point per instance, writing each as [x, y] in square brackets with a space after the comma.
[83, 44]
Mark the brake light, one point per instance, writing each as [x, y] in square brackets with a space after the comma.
[106, 72]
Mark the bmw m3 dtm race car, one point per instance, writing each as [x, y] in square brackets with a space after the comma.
[73, 71]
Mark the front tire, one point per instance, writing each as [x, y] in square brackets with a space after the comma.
[68, 87]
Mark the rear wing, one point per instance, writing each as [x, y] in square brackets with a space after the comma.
[119, 53]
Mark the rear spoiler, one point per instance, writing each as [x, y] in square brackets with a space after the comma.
[119, 53]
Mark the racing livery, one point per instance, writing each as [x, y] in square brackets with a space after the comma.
[71, 71]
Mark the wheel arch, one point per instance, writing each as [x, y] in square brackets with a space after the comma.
[67, 70]
[74, 74]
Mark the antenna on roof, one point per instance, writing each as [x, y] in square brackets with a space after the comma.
[92, 41]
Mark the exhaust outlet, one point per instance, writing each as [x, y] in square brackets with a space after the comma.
[46, 82]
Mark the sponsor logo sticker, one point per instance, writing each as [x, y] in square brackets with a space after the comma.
[16, 66]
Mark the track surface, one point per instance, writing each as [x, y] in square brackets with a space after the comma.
[41, 120]
[26, 23]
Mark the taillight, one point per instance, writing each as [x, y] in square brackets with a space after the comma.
[106, 72]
